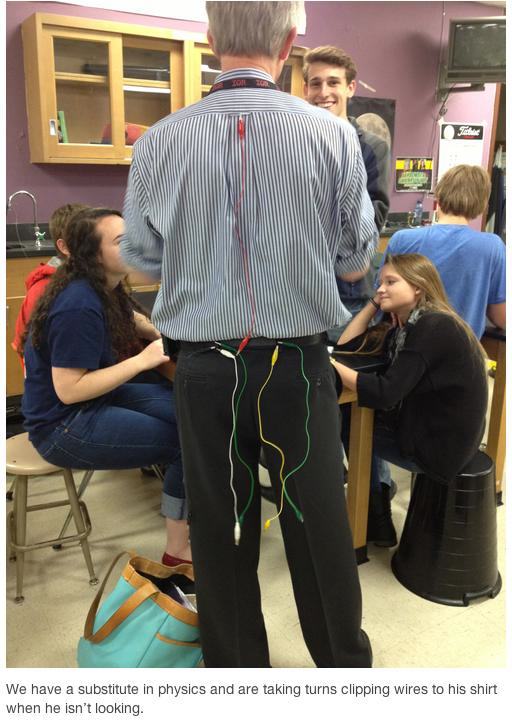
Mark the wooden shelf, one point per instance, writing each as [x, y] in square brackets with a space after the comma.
[88, 78]
[81, 78]
[147, 84]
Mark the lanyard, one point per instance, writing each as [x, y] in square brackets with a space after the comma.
[242, 83]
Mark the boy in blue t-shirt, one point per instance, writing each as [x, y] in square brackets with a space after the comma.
[471, 264]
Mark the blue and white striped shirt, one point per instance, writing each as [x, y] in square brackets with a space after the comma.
[305, 212]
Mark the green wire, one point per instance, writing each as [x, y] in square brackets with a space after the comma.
[308, 447]
[237, 404]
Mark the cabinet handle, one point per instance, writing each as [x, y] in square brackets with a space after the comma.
[53, 127]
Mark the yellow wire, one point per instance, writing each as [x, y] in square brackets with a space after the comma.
[272, 363]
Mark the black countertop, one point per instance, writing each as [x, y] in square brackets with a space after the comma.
[28, 251]
[399, 220]
[495, 332]
[20, 242]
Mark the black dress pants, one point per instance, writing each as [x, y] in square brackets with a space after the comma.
[319, 547]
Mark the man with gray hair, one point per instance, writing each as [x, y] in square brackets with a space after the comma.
[246, 203]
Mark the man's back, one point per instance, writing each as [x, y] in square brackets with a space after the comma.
[245, 203]
[289, 192]
[471, 265]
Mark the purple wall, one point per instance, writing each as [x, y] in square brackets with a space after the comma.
[395, 45]
[396, 49]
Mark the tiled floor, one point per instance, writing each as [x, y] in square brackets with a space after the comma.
[406, 631]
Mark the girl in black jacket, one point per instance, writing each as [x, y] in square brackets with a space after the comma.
[432, 400]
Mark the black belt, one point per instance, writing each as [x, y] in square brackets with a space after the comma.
[256, 342]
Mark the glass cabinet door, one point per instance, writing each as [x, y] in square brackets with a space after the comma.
[289, 81]
[285, 79]
[104, 90]
[210, 69]
[84, 99]
[152, 83]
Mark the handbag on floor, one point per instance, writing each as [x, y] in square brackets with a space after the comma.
[146, 621]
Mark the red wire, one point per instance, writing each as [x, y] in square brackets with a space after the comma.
[245, 256]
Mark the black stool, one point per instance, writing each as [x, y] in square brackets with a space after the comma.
[448, 549]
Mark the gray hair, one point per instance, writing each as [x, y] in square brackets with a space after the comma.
[252, 28]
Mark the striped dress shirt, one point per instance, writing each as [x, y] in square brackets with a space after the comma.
[304, 215]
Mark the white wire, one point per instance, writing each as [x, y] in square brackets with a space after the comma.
[232, 473]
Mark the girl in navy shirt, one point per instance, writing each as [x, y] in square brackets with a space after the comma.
[82, 407]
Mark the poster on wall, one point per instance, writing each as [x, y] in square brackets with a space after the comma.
[460, 143]
[413, 173]
[376, 115]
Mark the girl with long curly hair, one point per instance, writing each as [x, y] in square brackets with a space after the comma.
[82, 404]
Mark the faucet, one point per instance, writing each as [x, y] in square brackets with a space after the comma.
[39, 235]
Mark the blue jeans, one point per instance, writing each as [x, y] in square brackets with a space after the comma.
[131, 427]
[379, 471]
[385, 446]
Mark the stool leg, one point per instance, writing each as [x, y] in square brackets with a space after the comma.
[81, 490]
[11, 524]
[79, 522]
[158, 471]
[20, 513]
[10, 493]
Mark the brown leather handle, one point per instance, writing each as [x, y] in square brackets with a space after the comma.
[136, 599]
[128, 606]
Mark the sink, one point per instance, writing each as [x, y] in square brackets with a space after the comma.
[14, 232]
[20, 241]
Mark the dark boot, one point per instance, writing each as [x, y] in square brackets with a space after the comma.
[380, 524]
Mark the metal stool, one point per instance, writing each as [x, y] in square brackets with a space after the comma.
[23, 461]
[448, 549]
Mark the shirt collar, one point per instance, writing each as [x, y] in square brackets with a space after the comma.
[244, 73]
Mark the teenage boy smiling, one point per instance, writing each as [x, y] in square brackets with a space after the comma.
[329, 81]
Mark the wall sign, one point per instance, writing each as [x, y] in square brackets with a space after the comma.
[460, 143]
[376, 115]
[413, 173]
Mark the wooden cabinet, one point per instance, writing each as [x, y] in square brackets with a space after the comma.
[205, 68]
[383, 243]
[17, 271]
[93, 86]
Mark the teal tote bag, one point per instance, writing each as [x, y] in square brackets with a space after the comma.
[146, 621]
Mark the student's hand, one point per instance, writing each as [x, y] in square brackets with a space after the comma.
[144, 328]
[153, 355]
[347, 375]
